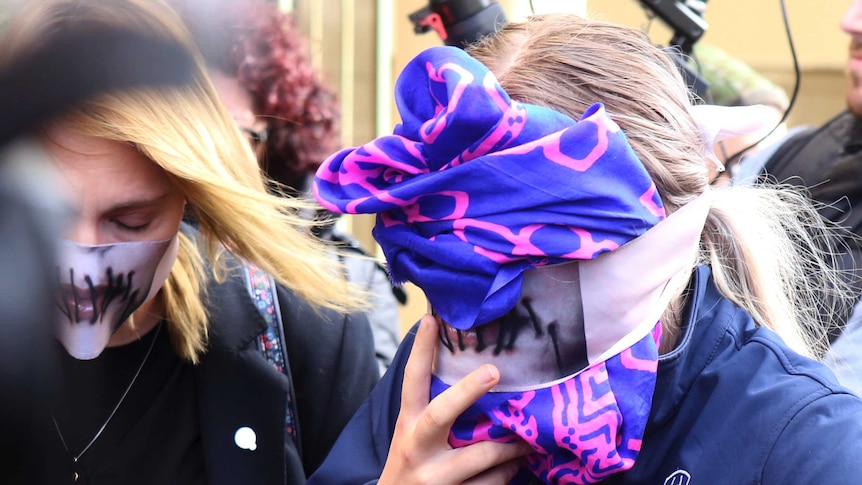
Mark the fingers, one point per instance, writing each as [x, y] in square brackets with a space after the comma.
[416, 388]
[420, 447]
[499, 475]
[482, 462]
[441, 413]
[479, 458]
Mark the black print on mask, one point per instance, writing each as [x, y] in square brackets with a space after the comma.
[568, 345]
[118, 288]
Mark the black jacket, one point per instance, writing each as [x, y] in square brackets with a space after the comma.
[333, 369]
[827, 162]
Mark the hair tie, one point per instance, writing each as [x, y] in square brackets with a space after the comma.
[717, 123]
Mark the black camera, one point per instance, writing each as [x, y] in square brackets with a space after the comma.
[459, 22]
[685, 18]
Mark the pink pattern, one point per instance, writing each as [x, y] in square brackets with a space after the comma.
[630, 361]
[551, 144]
[579, 174]
[520, 241]
[520, 422]
[589, 247]
[492, 89]
[579, 430]
[648, 201]
[432, 128]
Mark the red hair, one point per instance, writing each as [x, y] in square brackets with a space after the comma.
[257, 43]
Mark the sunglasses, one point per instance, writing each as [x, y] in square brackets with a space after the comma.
[256, 138]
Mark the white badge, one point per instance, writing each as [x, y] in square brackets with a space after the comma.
[245, 438]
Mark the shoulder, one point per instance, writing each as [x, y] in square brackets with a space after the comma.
[810, 148]
[360, 453]
[333, 368]
[759, 363]
[837, 129]
[845, 355]
[305, 322]
[323, 343]
[782, 399]
[818, 440]
[731, 386]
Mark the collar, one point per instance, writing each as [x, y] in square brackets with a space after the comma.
[846, 128]
[709, 319]
[228, 302]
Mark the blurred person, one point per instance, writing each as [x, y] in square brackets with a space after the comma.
[259, 64]
[833, 161]
[169, 340]
[827, 162]
[601, 313]
[33, 211]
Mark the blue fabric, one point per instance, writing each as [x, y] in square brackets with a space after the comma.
[473, 188]
[733, 405]
[582, 429]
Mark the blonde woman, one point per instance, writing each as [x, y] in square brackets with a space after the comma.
[600, 313]
[170, 348]
[257, 61]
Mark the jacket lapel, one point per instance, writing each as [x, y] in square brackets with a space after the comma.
[241, 397]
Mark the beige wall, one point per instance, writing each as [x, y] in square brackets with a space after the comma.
[753, 31]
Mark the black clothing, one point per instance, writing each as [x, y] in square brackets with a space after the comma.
[187, 415]
[827, 161]
[333, 368]
[160, 403]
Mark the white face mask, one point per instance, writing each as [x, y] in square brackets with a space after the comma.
[102, 285]
[576, 314]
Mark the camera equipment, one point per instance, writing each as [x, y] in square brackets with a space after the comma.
[685, 18]
[686, 21]
[459, 22]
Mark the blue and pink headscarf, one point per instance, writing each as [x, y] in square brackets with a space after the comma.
[473, 189]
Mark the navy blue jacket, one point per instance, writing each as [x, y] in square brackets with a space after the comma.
[733, 405]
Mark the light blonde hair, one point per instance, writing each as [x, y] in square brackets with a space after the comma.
[769, 250]
[191, 135]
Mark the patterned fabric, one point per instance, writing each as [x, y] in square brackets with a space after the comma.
[471, 190]
[583, 429]
[271, 342]
[540, 188]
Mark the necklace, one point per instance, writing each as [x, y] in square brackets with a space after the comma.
[75, 458]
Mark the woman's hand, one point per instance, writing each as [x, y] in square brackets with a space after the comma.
[420, 452]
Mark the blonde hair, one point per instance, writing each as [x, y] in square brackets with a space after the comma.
[190, 134]
[769, 250]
